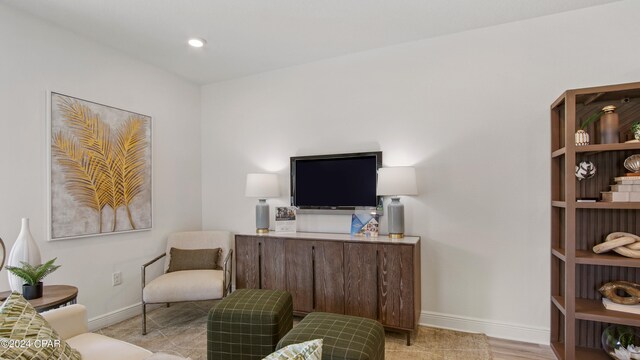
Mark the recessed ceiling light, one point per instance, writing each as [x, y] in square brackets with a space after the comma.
[197, 43]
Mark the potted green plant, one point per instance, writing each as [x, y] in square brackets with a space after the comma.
[32, 276]
[635, 128]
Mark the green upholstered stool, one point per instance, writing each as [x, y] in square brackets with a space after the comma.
[343, 336]
[248, 324]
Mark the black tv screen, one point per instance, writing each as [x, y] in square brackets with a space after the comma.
[340, 181]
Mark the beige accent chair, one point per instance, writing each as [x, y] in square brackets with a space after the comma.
[70, 322]
[189, 285]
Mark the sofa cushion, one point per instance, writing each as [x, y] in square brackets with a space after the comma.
[308, 350]
[20, 321]
[99, 347]
[195, 259]
[186, 285]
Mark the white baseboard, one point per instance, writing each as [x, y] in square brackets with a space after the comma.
[117, 316]
[495, 329]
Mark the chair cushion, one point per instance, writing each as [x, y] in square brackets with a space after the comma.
[308, 350]
[186, 285]
[196, 259]
[20, 321]
[199, 240]
[99, 347]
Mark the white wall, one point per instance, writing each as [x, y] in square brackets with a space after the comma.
[470, 111]
[36, 57]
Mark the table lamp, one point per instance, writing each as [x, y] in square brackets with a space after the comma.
[395, 181]
[262, 186]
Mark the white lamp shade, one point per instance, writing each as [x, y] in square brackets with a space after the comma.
[397, 181]
[262, 186]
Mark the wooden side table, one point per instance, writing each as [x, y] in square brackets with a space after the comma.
[53, 296]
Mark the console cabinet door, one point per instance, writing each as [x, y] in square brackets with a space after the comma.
[247, 269]
[272, 268]
[299, 269]
[396, 282]
[328, 262]
[361, 280]
[260, 263]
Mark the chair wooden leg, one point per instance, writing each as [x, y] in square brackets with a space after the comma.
[144, 318]
[168, 304]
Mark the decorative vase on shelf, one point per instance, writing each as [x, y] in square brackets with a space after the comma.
[24, 249]
[582, 138]
[609, 126]
[621, 342]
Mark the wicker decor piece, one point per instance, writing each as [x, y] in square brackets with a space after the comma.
[248, 324]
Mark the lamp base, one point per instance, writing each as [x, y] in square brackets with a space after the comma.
[396, 216]
[396, 236]
[262, 231]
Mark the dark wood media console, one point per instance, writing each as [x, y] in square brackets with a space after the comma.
[377, 278]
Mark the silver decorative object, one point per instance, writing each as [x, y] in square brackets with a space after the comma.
[632, 163]
[585, 170]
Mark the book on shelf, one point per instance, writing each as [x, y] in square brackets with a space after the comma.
[617, 196]
[587, 200]
[610, 305]
[628, 180]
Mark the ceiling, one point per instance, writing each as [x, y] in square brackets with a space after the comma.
[251, 36]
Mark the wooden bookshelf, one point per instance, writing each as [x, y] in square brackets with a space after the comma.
[577, 314]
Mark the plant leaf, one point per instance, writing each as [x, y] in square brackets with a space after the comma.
[32, 275]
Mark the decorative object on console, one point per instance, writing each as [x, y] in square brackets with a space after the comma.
[582, 138]
[632, 163]
[585, 170]
[395, 181]
[100, 169]
[609, 126]
[364, 224]
[25, 249]
[621, 342]
[626, 189]
[286, 219]
[610, 291]
[32, 276]
[623, 243]
[262, 186]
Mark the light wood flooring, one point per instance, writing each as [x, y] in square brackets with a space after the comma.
[181, 330]
[513, 350]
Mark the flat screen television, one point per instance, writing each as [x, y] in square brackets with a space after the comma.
[336, 182]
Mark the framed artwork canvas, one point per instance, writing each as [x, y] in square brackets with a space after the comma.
[99, 169]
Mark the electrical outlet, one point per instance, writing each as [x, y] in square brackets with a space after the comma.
[116, 278]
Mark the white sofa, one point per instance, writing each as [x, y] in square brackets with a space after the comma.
[71, 324]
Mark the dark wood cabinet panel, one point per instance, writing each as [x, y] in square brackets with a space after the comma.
[329, 276]
[395, 272]
[247, 262]
[360, 280]
[273, 264]
[299, 269]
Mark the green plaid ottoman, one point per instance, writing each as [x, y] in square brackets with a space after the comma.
[248, 324]
[343, 336]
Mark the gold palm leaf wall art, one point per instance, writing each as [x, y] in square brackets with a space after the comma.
[100, 167]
